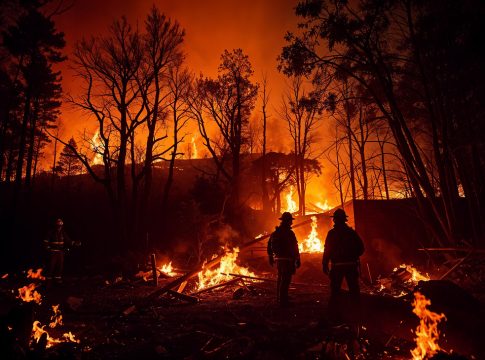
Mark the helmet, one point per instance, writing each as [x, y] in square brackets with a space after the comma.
[286, 216]
[59, 222]
[339, 214]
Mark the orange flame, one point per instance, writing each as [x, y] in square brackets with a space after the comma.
[28, 293]
[31, 274]
[227, 265]
[416, 276]
[312, 244]
[38, 330]
[97, 147]
[323, 206]
[167, 269]
[427, 334]
[291, 206]
[56, 318]
[195, 153]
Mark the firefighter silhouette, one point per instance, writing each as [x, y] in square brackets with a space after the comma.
[343, 247]
[283, 249]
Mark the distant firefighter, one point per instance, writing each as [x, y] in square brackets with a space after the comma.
[343, 247]
[56, 245]
[283, 249]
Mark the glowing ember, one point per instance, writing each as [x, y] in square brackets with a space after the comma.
[323, 206]
[416, 276]
[167, 269]
[56, 318]
[4, 276]
[312, 244]
[290, 203]
[97, 148]
[227, 265]
[195, 153]
[31, 274]
[427, 334]
[28, 294]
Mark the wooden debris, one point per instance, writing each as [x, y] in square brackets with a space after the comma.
[184, 297]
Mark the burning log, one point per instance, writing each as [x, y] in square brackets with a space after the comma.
[266, 279]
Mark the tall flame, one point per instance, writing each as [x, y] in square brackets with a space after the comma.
[290, 203]
[227, 265]
[312, 244]
[97, 148]
[56, 318]
[427, 334]
[28, 293]
[195, 153]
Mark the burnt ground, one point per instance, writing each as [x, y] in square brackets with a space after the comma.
[241, 321]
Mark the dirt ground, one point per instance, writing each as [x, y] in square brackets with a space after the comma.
[236, 322]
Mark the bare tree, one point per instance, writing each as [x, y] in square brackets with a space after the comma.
[302, 110]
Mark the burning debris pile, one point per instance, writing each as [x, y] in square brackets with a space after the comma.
[40, 338]
[312, 244]
[400, 282]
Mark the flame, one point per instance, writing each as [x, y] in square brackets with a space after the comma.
[28, 293]
[416, 276]
[427, 334]
[31, 274]
[195, 153]
[227, 265]
[38, 330]
[56, 318]
[323, 206]
[312, 244]
[97, 147]
[290, 203]
[167, 269]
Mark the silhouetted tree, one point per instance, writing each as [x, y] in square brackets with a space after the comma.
[228, 102]
[69, 163]
[414, 59]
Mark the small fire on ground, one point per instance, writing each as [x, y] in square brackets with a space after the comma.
[312, 244]
[208, 277]
[427, 333]
[416, 276]
[28, 293]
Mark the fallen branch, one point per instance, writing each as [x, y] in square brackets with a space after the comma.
[184, 297]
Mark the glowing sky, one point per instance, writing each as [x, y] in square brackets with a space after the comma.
[256, 26]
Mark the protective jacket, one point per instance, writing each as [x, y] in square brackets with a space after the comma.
[283, 244]
[58, 241]
[343, 246]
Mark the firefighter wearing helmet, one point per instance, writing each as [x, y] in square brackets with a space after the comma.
[56, 245]
[283, 249]
[343, 247]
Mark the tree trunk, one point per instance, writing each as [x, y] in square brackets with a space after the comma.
[23, 140]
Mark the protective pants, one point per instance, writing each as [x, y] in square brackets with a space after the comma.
[56, 264]
[286, 269]
[351, 275]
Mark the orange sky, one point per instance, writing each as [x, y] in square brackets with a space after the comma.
[256, 26]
